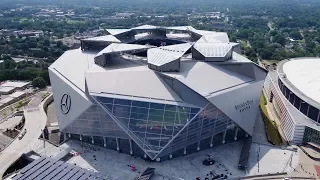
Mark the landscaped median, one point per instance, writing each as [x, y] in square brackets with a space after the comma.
[271, 126]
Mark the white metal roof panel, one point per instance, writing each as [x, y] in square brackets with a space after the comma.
[205, 78]
[214, 49]
[145, 27]
[165, 54]
[304, 74]
[181, 28]
[107, 38]
[215, 37]
[6, 89]
[120, 47]
[117, 31]
[136, 81]
[178, 35]
[76, 60]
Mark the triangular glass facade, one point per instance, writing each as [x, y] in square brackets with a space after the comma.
[152, 124]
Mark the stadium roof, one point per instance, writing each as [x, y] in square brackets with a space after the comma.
[81, 61]
[215, 37]
[107, 38]
[206, 78]
[145, 27]
[304, 74]
[214, 49]
[130, 76]
[181, 28]
[165, 54]
[121, 47]
[129, 80]
[48, 168]
[117, 31]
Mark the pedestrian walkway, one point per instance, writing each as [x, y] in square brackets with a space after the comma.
[35, 121]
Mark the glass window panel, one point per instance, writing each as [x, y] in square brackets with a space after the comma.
[191, 115]
[166, 131]
[138, 116]
[124, 120]
[92, 116]
[121, 108]
[139, 110]
[122, 102]
[297, 102]
[138, 123]
[163, 143]
[154, 125]
[107, 126]
[155, 118]
[168, 120]
[83, 116]
[313, 113]
[153, 136]
[169, 113]
[108, 106]
[184, 109]
[105, 100]
[291, 98]
[143, 116]
[82, 123]
[304, 107]
[194, 110]
[287, 93]
[121, 114]
[157, 106]
[182, 118]
[171, 108]
[141, 135]
[154, 142]
[95, 129]
[140, 104]
[154, 112]
[95, 124]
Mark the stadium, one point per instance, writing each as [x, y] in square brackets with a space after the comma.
[156, 92]
[293, 91]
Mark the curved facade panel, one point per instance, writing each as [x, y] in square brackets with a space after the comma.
[305, 108]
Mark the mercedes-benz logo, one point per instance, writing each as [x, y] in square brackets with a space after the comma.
[65, 103]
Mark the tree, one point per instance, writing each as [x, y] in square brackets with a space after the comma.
[9, 64]
[280, 39]
[39, 82]
[45, 75]
[59, 43]
[296, 35]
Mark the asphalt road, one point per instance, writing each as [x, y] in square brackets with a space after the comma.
[35, 120]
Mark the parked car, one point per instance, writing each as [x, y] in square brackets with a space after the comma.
[22, 134]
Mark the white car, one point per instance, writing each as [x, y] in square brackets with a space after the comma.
[22, 134]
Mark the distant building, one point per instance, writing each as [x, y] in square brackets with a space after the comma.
[18, 85]
[6, 90]
[124, 15]
[293, 90]
[156, 97]
[12, 98]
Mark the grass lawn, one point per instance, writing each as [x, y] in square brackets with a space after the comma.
[271, 126]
